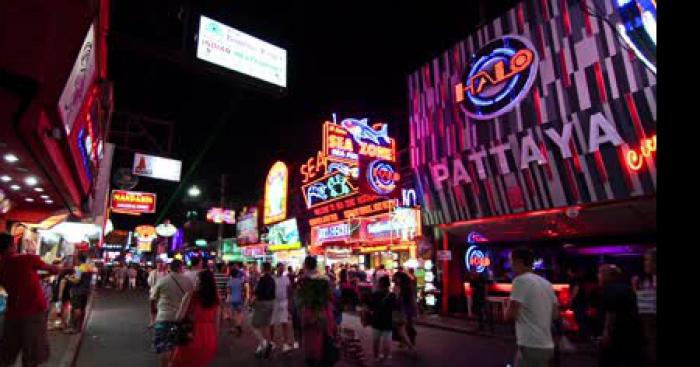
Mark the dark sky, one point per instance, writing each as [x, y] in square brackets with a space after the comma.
[351, 58]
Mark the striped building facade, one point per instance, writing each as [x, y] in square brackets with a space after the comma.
[585, 73]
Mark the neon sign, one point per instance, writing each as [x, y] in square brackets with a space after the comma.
[476, 259]
[313, 167]
[327, 188]
[133, 201]
[352, 139]
[646, 148]
[284, 236]
[500, 75]
[276, 193]
[220, 215]
[638, 28]
[381, 177]
[476, 237]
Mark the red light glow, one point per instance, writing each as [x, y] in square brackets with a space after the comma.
[635, 160]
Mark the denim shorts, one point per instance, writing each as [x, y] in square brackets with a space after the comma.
[161, 339]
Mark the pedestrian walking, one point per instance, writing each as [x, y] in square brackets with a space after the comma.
[313, 299]
[167, 297]
[236, 298]
[381, 306]
[221, 278]
[195, 267]
[622, 340]
[378, 274]
[533, 306]
[280, 314]
[24, 328]
[404, 309]
[263, 307]
[81, 284]
[123, 277]
[160, 271]
[201, 307]
[132, 273]
[645, 288]
[479, 291]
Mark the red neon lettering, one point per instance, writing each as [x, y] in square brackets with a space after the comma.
[635, 160]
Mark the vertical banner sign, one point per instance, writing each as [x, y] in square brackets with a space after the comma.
[276, 186]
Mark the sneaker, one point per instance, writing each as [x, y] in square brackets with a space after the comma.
[286, 348]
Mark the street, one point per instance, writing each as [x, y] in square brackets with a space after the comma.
[117, 336]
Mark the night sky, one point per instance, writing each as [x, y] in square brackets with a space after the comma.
[352, 59]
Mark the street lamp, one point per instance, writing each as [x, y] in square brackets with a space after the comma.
[193, 191]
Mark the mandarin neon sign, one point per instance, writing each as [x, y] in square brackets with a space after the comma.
[635, 160]
[500, 75]
[276, 193]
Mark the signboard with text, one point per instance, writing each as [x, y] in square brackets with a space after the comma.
[133, 201]
[157, 167]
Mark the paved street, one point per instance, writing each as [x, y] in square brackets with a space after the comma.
[117, 336]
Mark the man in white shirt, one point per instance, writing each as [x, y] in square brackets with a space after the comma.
[378, 274]
[280, 314]
[533, 306]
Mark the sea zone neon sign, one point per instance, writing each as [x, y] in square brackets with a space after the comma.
[353, 138]
[500, 75]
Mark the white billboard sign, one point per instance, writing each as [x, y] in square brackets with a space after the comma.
[225, 46]
[79, 81]
[157, 167]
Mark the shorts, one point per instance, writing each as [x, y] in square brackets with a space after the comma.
[262, 313]
[280, 313]
[79, 302]
[28, 336]
[533, 357]
[381, 335]
[237, 306]
[161, 339]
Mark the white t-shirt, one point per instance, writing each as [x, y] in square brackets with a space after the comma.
[533, 326]
[281, 284]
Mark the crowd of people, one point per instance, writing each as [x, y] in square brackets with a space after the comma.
[282, 308]
[287, 309]
[41, 297]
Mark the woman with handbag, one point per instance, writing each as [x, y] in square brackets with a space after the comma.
[201, 309]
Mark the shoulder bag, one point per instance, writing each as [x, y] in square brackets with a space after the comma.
[181, 331]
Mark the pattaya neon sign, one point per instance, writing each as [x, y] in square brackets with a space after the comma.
[328, 188]
[476, 259]
[500, 75]
[276, 193]
[646, 148]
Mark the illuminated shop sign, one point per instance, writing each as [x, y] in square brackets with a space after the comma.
[276, 193]
[166, 230]
[371, 249]
[353, 138]
[247, 227]
[157, 167]
[635, 159]
[220, 215]
[228, 47]
[638, 28]
[500, 75]
[339, 231]
[345, 168]
[284, 236]
[476, 259]
[403, 224]
[328, 188]
[381, 178]
[600, 131]
[476, 237]
[409, 198]
[133, 201]
[370, 209]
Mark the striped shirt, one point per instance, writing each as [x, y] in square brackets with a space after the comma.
[221, 281]
[646, 296]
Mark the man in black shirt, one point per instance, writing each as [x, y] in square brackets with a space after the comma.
[263, 306]
[622, 341]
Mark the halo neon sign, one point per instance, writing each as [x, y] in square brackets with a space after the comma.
[500, 75]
